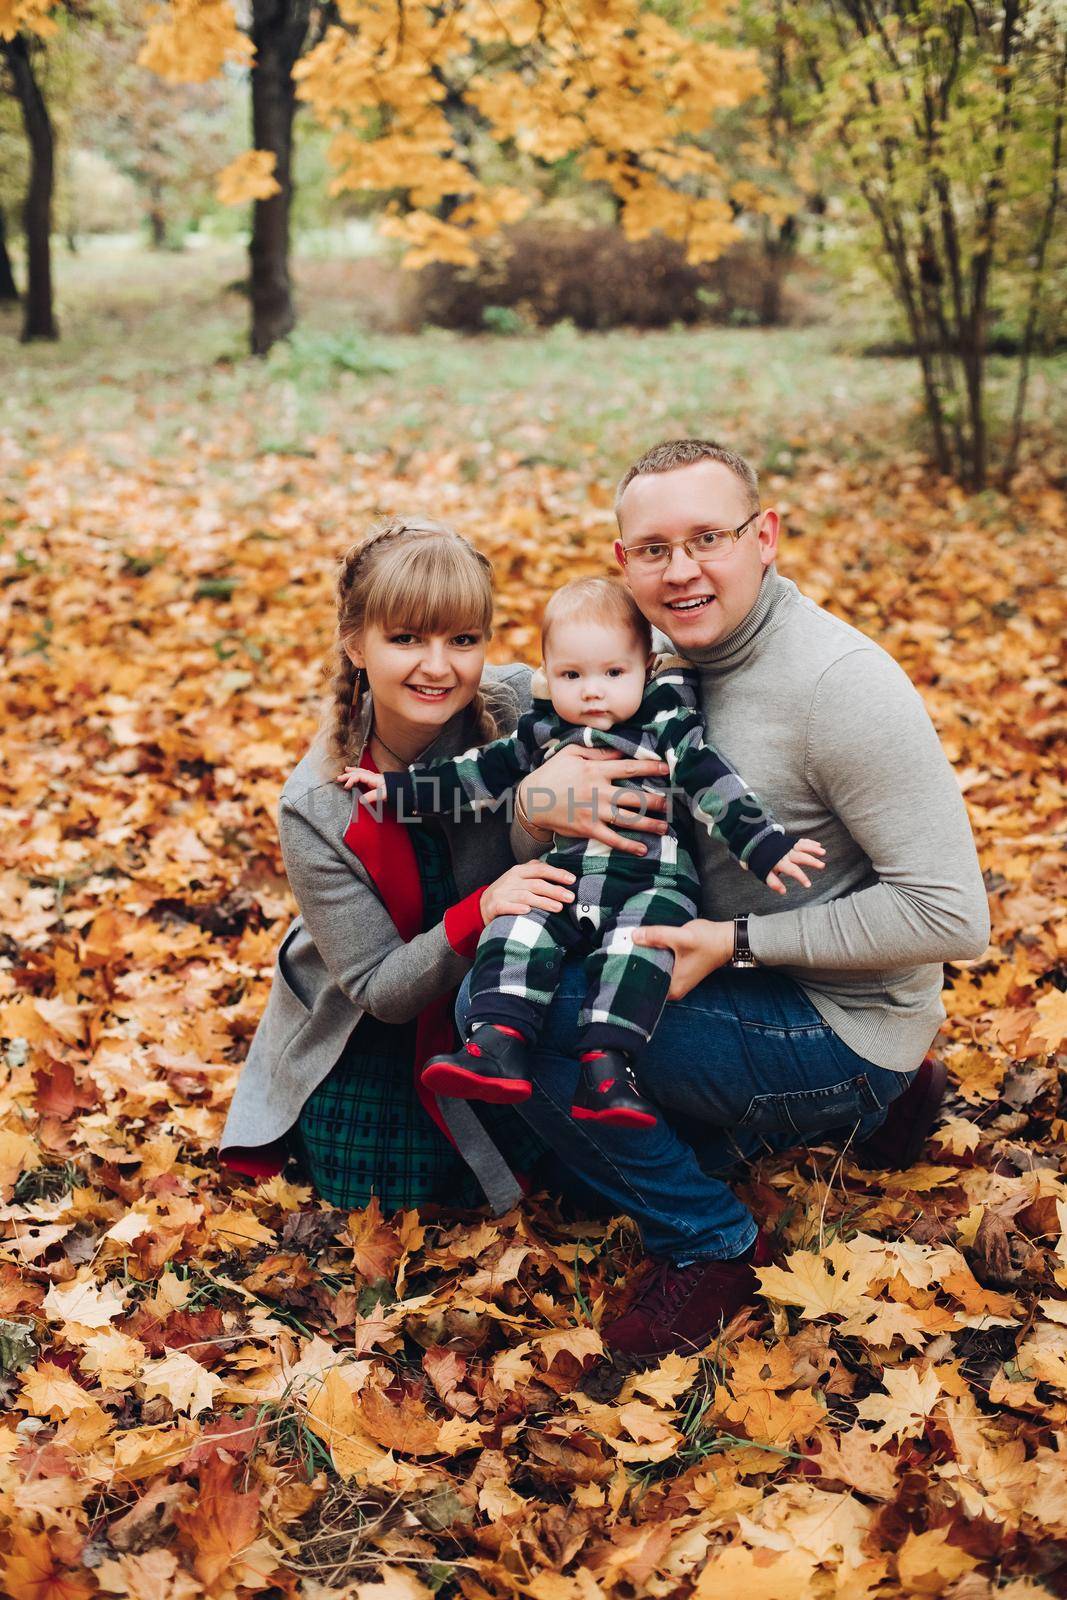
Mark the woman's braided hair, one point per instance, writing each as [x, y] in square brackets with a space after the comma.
[378, 582]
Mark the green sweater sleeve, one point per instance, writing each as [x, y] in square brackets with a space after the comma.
[478, 780]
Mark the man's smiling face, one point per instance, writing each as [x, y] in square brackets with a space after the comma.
[695, 606]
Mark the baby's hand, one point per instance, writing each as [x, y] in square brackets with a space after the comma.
[805, 853]
[372, 782]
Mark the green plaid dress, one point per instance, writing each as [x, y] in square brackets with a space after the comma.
[363, 1130]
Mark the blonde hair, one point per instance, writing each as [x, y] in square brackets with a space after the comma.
[603, 600]
[409, 572]
[675, 453]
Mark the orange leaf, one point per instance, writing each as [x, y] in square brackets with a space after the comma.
[32, 1572]
[222, 1523]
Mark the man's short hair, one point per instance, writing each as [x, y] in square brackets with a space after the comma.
[674, 453]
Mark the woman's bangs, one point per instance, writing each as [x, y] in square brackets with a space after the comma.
[440, 589]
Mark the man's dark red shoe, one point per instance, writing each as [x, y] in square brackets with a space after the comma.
[492, 1066]
[607, 1092]
[683, 1308]
[899, 1142]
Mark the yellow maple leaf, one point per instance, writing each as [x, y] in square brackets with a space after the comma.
[581, 1342]
[18, 1153]
[48, 1391]
[818, 1284]
[85, 1302]
[114, 1358]
[333, 1415]
[927, 1563]
[904, 1408]
[1052, 1013]
[62, 1018]
[238, 1230]
[769, 1418]
[248, 177]
[665, 1382]
[187, 1385]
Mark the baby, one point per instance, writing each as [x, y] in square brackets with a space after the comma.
[601, 685]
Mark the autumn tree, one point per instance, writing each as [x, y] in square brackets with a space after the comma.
[946, 121]
[167, 139]
[189, 42]
[23, 24]
[620, 90]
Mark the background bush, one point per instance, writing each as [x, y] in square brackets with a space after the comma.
[547, 272]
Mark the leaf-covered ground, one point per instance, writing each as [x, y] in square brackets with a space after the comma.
[220, 1390]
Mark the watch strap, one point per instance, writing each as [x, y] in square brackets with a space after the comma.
[742, 956]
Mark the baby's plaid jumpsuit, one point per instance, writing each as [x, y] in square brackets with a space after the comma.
[518, 960]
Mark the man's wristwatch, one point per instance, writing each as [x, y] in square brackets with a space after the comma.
[742, 956]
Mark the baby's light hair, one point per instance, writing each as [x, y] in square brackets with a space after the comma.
[597, 600]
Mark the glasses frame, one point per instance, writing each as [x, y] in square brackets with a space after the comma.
[686, 544]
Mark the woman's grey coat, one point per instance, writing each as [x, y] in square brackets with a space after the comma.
[342, 955]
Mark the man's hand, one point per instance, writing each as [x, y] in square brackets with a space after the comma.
[573, 794]
[700, 948]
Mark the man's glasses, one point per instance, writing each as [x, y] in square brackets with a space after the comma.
[705, 548]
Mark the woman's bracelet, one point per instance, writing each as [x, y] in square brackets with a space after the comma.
[531, 828]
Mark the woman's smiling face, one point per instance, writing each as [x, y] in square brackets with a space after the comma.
[418, 680]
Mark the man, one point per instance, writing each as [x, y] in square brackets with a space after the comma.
[786, 1023]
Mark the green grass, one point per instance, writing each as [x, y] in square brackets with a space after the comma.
[154, 346]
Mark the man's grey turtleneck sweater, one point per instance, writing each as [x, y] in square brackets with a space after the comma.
[832, 736]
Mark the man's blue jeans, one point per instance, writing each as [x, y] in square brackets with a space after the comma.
[743, 1065]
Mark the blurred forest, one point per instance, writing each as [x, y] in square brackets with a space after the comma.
[647, 165]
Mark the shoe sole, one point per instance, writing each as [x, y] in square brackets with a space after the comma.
[618, 1119]
[925, 1113]
[459, 1083]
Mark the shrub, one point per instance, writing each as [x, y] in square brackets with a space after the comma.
[541, 273]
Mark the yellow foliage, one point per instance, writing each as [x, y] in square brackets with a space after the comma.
[249, 177]
[620, 87]
[190, 41]
[33, 15]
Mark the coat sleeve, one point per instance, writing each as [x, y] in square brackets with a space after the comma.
[380, 972]
[887, 779]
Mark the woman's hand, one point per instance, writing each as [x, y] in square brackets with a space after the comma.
[573, 794]
[533, 885]
[372, 782]
[700, 948]
[805, 853]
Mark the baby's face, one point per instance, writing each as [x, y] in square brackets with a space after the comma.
[596, 672]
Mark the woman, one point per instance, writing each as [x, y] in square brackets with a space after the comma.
[389, 913]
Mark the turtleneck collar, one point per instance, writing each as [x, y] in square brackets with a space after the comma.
[731, 651]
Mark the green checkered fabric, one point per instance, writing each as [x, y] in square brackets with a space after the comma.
[668, 726]
[363, 1130]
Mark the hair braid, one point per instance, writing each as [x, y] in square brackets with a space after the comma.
[346, 679]
[486, 726]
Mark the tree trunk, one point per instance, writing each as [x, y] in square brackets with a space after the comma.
[279, 29]
[1037, 280]
[8, 286]
[38, 315]
[779, 256]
